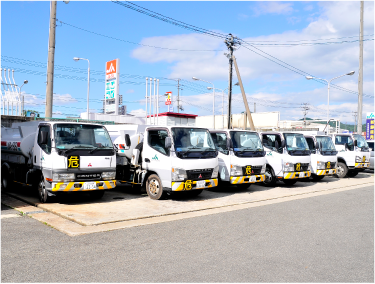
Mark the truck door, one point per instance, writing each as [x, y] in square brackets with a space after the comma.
[274, 154]
[220, 141]
[155, 156]
[42, 153]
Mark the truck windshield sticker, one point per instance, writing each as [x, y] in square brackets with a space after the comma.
[73, 162]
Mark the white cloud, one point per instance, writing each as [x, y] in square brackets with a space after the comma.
[130, 91]
[138, 112]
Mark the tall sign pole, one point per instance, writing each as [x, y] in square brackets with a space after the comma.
[51, 60]
[360, 75]
[229, 43]
[112, 81]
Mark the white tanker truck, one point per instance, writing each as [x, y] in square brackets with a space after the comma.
[58, 157]
[165, 159]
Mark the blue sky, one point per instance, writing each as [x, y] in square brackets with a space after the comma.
[24, 47]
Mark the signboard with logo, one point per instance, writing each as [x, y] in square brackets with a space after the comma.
[370, 118]
[112, 72]
[168, 101]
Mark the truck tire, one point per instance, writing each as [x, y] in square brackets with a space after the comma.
[96, 194]
[270, 179]
[290, 181]
[342, 170]
[194, 193]
[154, 187]
[316, 177]
[6, 181]
[352, 173]
[42, 191]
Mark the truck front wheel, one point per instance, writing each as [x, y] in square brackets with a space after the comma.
[342, 170]
[316, 177]
[270, 179]
[289, 181]
[42, 191]
[154, 187]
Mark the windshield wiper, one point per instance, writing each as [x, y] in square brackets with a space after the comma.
[74, 147]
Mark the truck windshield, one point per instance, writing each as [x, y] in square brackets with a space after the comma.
[361, 142]
[193, 143]
[327, 146]
[244, 141]
[81, 136]
[327, 143]
[296, 142]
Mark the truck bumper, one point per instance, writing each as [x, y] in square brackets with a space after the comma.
[191, 185]
[362, 165]
[247, 179]
[326, 172]
[78, 186]
[294, 175]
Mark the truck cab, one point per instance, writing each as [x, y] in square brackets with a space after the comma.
[323, 155]
[166, 159]
[241, 157]
[288, 157]
[353, 154]
[59, 157]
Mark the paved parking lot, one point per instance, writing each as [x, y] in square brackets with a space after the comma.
[76, 214]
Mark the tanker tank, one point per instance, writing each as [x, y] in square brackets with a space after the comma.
[18, 140]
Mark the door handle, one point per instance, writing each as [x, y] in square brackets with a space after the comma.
[147, 160]
[34, 159]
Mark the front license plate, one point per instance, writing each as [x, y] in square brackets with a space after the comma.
[89, 185]
[253, 179]
[200, 184]
[301, 175]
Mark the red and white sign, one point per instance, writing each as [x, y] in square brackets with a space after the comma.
[168, 100]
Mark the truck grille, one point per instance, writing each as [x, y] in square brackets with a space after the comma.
[88, 176]
[199, 174]
[304, 167]
[255, 170]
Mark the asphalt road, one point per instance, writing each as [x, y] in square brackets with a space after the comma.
[328, 238]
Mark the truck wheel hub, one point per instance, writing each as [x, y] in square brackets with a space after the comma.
[154, 187]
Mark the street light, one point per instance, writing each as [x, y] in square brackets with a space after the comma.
[213, 104]
[23, 101]
[329, 82]
[88, 84]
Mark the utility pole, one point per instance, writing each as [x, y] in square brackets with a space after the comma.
[178, 95]
[360, 75]
[305, 107]
[230, 42]
[51, 60]
[355, 121]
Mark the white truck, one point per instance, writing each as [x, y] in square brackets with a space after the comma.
[165, 159]
[241, 157]
[323, 154]
[353, 154]
[55, 157]
[288, 157]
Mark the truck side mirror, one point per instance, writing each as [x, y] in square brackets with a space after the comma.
[43, 137]
[277, 145]
[283, 144]
[355, 143]
[229, 144]
[317, 146]
[346, 146]
[168, 142]
[127, 140]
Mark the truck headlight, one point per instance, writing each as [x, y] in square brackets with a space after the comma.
[358, 159]
[235, 170]
[215, 172]
[288, 167]
[108, 175]
[63, 177]
[320, 165]
[263, 170]
[178, 174]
